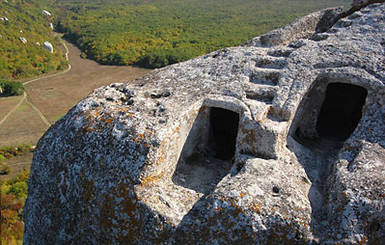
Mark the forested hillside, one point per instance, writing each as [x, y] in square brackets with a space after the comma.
[13, 194]
[23, 30]
[155, 33]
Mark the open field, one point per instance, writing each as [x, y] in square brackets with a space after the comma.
[55, 96]
[24, 126]
[8, 103]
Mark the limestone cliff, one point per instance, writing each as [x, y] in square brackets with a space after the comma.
[280, 140]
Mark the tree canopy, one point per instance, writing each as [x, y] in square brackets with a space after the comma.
[158, 33]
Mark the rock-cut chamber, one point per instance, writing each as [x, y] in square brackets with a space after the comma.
[331, 110]
[341, 110]
[223, 132]
[208, 150]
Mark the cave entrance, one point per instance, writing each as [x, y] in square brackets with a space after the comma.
[223, 132]
[341, 110]
[206, 155]
[327, 115]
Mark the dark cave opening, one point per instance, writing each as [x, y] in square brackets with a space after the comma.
[206, 155]
[223, 132]
[341, 110]
[328, 114]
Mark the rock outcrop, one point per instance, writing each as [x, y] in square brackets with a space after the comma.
[46, 13]
[363, 3]
[48, 46]
[23, 40]
[278, 141]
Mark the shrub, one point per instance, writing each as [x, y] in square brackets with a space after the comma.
[12, 222]
[19, 189]
[4, 169]
[155, 59]
[11, 88]
[23, 177]
[63, 65]
[2, 158]
[13, 195]
[8, 152]
[83, 55]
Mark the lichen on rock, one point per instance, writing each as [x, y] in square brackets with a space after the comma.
[278, 141]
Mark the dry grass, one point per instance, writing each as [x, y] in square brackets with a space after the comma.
[55, 96]
[7, 104]
[24, 126]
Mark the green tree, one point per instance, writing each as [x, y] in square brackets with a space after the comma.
[11, 88]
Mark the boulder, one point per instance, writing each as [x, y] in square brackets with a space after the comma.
[48, 46]
[23, 39]
[272, 142]
[46, 13]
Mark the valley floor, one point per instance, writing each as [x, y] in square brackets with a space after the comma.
[53, 96]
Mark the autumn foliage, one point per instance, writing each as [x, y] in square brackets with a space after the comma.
[13, 195]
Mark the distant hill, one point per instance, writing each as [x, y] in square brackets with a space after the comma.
[23, 30]
[157, 33]
[143, 32]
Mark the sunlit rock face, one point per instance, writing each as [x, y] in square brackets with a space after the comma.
[280, 140]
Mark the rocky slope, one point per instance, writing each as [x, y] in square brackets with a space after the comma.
[280, 140]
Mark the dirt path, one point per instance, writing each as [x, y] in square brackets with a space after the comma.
[13, 109]
[45, 120]
[54, 96]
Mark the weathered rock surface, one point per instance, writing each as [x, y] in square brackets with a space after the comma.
[363, 3]
[46, 13]
[277, 143]
[23, 40]
[48, 46]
